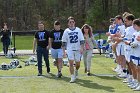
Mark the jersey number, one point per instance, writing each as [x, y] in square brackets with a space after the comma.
[74, 39]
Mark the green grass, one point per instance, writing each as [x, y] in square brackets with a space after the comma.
[50, 84]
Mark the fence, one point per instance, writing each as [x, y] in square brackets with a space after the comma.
[97, 34]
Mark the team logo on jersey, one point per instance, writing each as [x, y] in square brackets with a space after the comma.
[41, 36]
[73, 37]
[57, 37]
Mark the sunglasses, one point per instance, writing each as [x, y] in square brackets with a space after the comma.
[71, 21]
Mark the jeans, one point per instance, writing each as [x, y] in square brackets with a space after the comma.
[87, 55]
[42, 52]
[6, 43]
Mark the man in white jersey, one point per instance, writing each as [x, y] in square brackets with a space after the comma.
[120, 45]
[136, 53]
[128, 38]
[73, 41]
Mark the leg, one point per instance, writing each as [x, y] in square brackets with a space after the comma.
[89, 56]
[46, 58]
[85, 60]
[39, 59]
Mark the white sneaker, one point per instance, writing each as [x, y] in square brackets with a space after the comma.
[127, 80]
[123, 75]
[72, 79]
[137, 89]
[76, 73]
[135, 86]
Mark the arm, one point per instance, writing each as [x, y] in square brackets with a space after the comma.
[34, 44]
[49, 43]
[82, 46]
[64, 44]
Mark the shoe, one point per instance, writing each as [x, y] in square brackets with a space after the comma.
[72, 79]
[88, 73]
[76, 73]
[123, 75]
[135, 86]
[59, 75]
[127, 80]
[137, 89]
[39, 74]
[48, 69]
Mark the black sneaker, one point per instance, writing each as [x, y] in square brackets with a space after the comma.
[59, 75]
[48, 69]
[88, 73]
[39, 74]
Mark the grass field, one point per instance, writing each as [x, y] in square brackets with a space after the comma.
[25, 80]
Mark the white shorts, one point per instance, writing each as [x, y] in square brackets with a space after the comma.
[74, 55]
[120, 49]
[127, 52]
[136, 60]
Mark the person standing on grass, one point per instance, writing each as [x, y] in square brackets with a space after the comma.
[5, 38]
[73, 40]
[56, 46]
[41, 39]
[88, 47]
[135, 45]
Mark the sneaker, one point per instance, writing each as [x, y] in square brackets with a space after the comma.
[88, 73]
[72, 79]
[76, 73]
[39, 74]
[48, 69]
[135, 86]
[127, 80]
[59, 75]
[137, 89]
[123, 75]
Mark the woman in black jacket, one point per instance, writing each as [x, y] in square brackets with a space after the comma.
[5, 38]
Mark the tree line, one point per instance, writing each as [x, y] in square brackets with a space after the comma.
[23, 15]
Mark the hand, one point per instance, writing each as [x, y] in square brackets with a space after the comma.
[81, 50]
[33, 51]
[138, 38]
[48, 47]
[64, 54]
[108, 33]
[133, 45]
[118, 34]
[127, 42]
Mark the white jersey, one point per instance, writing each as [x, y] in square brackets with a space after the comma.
[129, 33]
[121, 30]
[128, 36]
[136, 51]
[73, 38]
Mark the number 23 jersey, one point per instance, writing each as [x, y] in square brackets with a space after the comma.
[73, 38]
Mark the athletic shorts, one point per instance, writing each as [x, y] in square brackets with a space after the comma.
[127, 52]
[74, 55]
[120, 49]
[56, 53]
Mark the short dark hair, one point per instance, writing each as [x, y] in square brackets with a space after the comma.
[56, 23]
[119, 17]
[136, 22]
[130, 17]
[112, 20]
[69, 18]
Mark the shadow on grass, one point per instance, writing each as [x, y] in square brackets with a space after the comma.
[107, 77]
[90, 84]
[82, 82]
